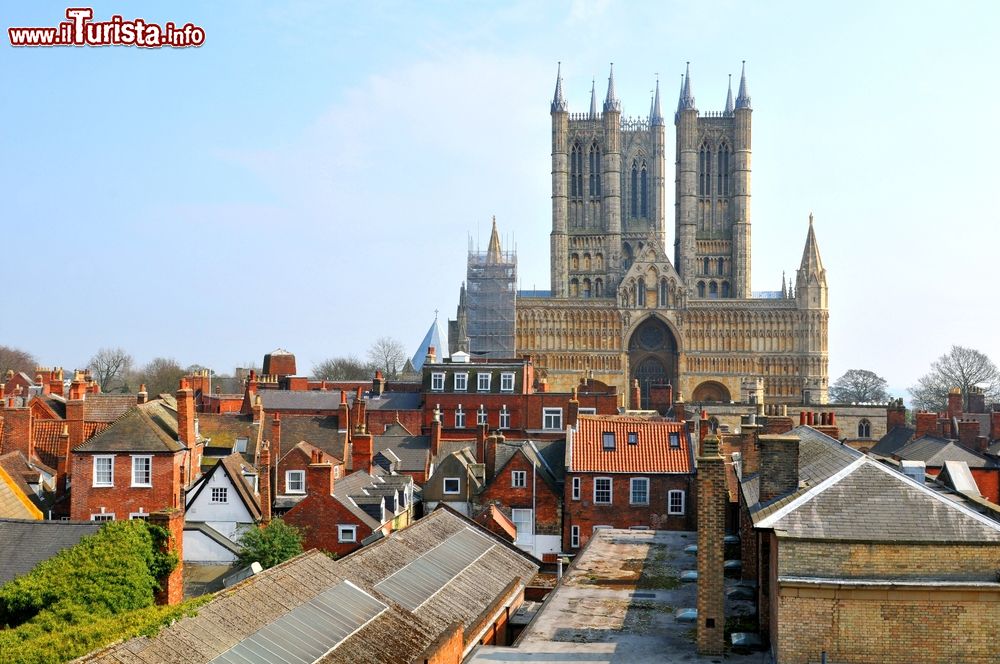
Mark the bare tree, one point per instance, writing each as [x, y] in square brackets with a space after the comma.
[343, 368]
[960, 367]
[388, 355]
[16, 360]
[161, 375]
[111, 368]
[859, 386]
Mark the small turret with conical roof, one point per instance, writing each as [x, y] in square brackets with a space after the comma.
[494, 254]
[559, 104]
[686, 102]
[655, 116]
[729, 97]
[810, 280]
[743, 97]
[611, 102]
[593, 100]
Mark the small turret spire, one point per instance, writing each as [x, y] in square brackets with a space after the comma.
[593, 99]
[559, 104]
[611, 102]
[784, 287]
[729, 97]
[687, 99]
[655, 116]
[743, 97]
[493, 253]
[811, 262]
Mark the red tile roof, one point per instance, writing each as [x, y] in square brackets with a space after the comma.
[651, 454]
[47, 434]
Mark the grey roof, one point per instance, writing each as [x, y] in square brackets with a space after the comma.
[24, 544]
[891, 442]
[935, 451]
[354, 484]
[395, 401]
[871, 502]
[299, 400]
[432, 338]
[551, 455]
[320, 430]
[151, 427]
[413, 451]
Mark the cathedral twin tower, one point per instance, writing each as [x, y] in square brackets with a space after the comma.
[620, 310]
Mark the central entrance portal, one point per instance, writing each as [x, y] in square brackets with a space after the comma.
[652, 357]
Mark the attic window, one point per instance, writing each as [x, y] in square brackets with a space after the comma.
[675, 439]
[608, 440]
[241, 445]
[633, 437]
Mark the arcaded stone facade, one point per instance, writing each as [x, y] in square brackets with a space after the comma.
[623, 310]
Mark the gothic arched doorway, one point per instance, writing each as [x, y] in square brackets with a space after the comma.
[710, 391]
[652, 357]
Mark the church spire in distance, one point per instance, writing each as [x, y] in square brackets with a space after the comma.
[743, 98]
[687, 99]
[611, 102]
[655, 116]
[593, 100]
[811, 262]
[559, 104]
[729, 97]
[493, 253]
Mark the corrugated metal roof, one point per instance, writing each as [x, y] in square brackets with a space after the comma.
[310, 630]
[651, 453]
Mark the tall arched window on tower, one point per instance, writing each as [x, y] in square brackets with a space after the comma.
[713, 291]
[576, 171]
[598, 287]
[642, 292]
[634, 191]
[725, 289]
[663, 292]
[721, 267]
[704, 265]
[704, 169]
[701, 289]
[595, 170]
[723, 170]
[644, 191]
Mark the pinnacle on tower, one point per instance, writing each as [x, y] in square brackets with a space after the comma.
[729, 97]
[655, 116]
[611, 102]
[811, 262]
[593, 100]
[559, 104]
[687, 99]
[743, 97]
[493, 252]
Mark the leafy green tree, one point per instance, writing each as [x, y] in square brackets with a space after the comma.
[960, 367]
[271, 545]
[859, 386]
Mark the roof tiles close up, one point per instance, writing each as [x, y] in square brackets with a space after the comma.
[659, 446]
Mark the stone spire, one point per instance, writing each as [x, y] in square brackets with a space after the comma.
[655, 116]
[593, 100]
[611, 102]
[743, 97]
[686, 102]
[811, 262]
[493, 252]
[784, 288]
[729, 97]
[559, 104]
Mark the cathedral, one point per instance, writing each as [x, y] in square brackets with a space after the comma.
[620, 309]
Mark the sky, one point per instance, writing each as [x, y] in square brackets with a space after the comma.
[311, 177]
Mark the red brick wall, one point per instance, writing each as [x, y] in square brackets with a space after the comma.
[988, 480]
[123, 499]
[621, 514]
[378, 420]
[319, 515]
[172, 591]
[17, 431]
[446, 649]
[299, 460]
[547, 501]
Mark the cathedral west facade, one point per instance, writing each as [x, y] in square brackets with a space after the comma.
[621, 309]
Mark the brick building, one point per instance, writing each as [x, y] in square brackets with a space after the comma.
[627, 472]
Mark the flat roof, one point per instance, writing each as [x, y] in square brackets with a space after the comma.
[617, 604]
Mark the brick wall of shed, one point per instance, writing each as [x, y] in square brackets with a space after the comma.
[446, 649]
[887, 626]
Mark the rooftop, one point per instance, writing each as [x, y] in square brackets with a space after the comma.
[605, 444]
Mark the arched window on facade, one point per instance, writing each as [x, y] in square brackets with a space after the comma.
[704, 265]
[574, 287]
[704, 170]
[598, 261]
[713, 291]
[634, 193]
[576, 171]
[864, 429]
[644, 191]
[574, 262]
[721, 267]
[642, 292]
[663, 292]
[595, 170]
[701, 289]
[725, 289]
[723, 170]
[586, 262]
[598, 287]
[586, 287]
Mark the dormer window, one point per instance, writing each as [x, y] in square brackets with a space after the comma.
[608, 441]
[461, 382]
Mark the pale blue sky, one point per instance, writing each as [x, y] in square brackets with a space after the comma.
[309, 177]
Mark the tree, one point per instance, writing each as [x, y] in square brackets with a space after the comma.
[160, 375]
[388, 355]
[16, 360]
[111, 368]
[859, 386]
[960, 367]
[271, 545]
[343, 368]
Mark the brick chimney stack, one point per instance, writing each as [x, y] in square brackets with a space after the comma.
[378, 384]
[954, 403]
[185, 414]
[257, 409]
[319, 475]
[635, 395]
[143, 395]
[492, 441]
[482, 432]
[264, 479]
[968, 432]
[779, 466]
[895, 414]
[361, 449]
[78, 388]
[358, 416]
[703, 427]
[680, 413]
[436, 431]
[926, 424]
[56, 381]
[573, 411]
[711, 505]
[276, 438]
[995, 425]
[977, 400]
[63, 461]
[431, 357]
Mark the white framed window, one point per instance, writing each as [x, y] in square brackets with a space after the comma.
[241, 444]
[139, 516]
[220, 494]
[461, 382]
[675, 502]
[142, 471]
[576, 488]
[518, 479]
[103, 516]
[437, 382]
[639, 491]
[483, 382]
[507, 381]
[552, 418]
[504, 417]
[481, 415]
[347, 533]
[602, 490]
[675, 439]
[336, 471]
[587, 411]
[574, 537]
[453, 485]
[104, 470]
[295, 481]
[608, 441]
[459, 417]
[524, 522]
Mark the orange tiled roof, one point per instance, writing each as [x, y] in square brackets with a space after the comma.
[651, 454]
[47, 434]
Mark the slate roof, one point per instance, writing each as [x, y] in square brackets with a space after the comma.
[106, 407]
[319, 430]
[151, 427]
[935, 451]
[550, 454]
[281, 400]
[893, 441]
[652, 453]
[396, 401]
[24, 544]
[413, 451]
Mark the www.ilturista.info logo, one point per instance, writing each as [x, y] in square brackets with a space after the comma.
[81, 30]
